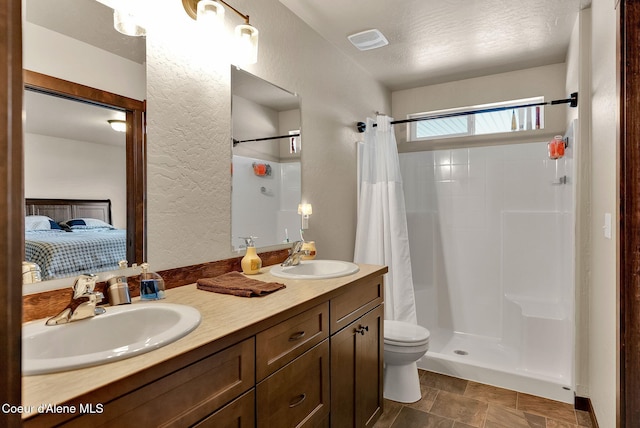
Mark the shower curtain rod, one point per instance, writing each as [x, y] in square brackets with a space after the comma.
[236, 142]
[573, 102]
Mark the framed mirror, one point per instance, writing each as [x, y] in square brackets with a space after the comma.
[75, 164]
[266, 167]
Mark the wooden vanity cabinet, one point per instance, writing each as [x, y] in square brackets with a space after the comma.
[318, 367]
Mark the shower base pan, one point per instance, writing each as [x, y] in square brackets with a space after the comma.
[486, 360]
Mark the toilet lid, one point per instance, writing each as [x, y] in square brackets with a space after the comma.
[398, 332]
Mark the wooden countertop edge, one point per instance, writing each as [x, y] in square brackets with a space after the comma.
[129, 381]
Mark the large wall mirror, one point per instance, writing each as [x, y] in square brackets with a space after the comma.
[266, 167]
[76, 164]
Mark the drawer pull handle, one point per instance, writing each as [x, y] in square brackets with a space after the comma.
[296, 336]
[296, 401]
[362, 329]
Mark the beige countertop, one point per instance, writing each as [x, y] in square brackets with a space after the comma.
[222, 315]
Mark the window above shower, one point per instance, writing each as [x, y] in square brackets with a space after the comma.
[494, 118]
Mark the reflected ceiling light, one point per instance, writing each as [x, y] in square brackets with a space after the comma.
[126, 23]
[118, 125]
[127, 16]
[211, 12]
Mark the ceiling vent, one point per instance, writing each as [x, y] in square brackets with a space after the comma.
[370, 39]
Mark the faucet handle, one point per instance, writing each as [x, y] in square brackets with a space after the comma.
[297, 245]
[84, 284]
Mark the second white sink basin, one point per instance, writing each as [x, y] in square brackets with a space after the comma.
[315, 269]
[122, 332]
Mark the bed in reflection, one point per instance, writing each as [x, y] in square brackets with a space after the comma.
[68, 237]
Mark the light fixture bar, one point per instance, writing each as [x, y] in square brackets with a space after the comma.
[245, 17]
[191, 7]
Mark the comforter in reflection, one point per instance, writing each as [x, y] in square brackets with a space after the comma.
[62, 254]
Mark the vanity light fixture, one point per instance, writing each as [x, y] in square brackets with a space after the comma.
[305, 210]
[118, 125]
[211, 12]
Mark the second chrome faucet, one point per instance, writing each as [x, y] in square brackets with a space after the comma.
[295, 253]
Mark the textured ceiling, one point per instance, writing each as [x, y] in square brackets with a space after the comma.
[435, 41]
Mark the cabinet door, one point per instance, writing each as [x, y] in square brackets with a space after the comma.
[356, 372]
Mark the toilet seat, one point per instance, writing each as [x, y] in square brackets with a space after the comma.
[401, 333]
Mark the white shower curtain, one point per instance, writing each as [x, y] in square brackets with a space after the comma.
[381, 235]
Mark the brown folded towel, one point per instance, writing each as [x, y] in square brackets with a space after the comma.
[239, 285]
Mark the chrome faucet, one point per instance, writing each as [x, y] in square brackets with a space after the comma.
[83, 303]
[295, 253]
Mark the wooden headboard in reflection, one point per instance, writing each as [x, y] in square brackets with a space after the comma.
[66, 209]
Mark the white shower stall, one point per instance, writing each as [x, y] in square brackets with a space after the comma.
[491, 232]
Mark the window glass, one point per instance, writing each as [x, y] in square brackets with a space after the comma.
[506, 117]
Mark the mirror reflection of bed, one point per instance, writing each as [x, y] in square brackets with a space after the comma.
[68, 237]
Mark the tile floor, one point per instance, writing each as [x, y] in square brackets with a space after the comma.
[449, 402]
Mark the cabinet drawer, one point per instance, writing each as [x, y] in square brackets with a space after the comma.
[240, 413]
[280, 344]
[360, 298]
[184, 397]
[298, 394]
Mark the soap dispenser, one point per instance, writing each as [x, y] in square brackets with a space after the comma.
[151, 284]
[251, 263]
[118, 289]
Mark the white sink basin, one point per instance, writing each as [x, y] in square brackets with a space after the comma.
[122, 332]
[315, 269]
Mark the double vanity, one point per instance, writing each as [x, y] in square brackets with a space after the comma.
[306, 355]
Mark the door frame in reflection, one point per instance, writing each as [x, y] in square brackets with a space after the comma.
[135, 148]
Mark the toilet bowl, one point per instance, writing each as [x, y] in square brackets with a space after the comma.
[404, 345]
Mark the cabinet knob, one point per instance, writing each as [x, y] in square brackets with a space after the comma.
[362, 329]
[297, 400]
[296, 336]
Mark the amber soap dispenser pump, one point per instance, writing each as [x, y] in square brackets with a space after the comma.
[251, 263]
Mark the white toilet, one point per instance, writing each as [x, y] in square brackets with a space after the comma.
[404, 345]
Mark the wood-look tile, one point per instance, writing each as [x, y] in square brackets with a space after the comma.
[443, 382]
[584, 419]
[428, 397]
[412, 418]
[551, 423]
[391, 411]
[460, 409]
[504, 417]
[457, 424]
[491, 394]
[561, 412]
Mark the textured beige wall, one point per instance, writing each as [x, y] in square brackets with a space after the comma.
[189, 149]
[604, 199]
